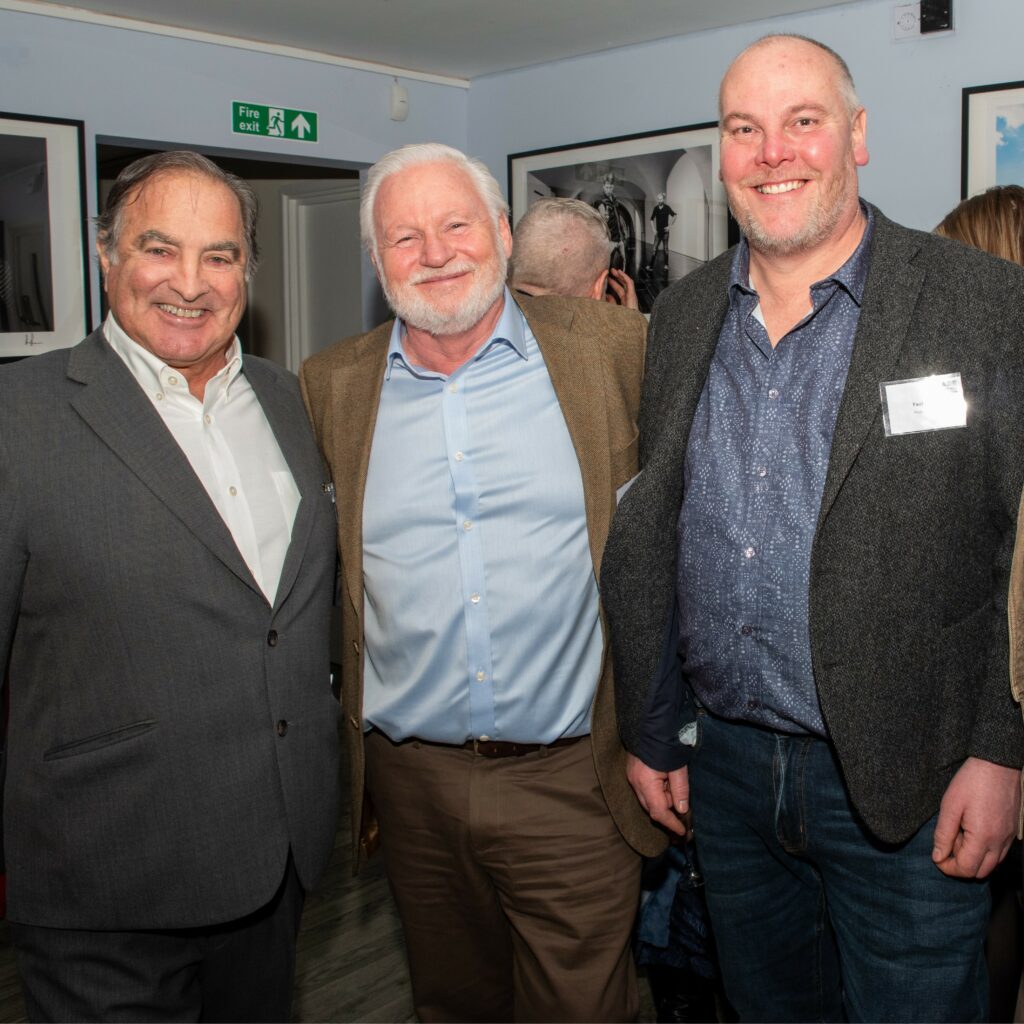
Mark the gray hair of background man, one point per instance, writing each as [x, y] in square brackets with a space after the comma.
[424, 153]
[560, 246]
[131, 180]
[845, 80]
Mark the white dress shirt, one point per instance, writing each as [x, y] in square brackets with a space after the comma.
[230, 446]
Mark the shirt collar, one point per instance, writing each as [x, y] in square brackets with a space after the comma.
[852, 275]
[153, 374]
[510, 330]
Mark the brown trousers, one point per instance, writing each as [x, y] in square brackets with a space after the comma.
[516, 891]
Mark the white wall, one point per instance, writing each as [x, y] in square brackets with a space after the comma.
[912, 91]
[134, 85]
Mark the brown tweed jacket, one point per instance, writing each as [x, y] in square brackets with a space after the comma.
[594, 354]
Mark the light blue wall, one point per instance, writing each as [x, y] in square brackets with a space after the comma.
[135, 85]
[912, 91]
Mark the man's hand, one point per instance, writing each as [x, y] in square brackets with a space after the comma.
[977, 819]
[665, 796]
[621, 289]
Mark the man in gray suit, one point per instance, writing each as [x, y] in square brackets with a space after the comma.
[167, 554]
[806, 583]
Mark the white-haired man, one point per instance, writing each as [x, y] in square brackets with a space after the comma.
[476, 446]
[562, 247]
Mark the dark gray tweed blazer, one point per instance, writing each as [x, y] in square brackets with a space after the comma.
[915, 533]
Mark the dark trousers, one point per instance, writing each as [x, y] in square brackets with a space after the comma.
[239, 971]
[516, 891]
[815, 919]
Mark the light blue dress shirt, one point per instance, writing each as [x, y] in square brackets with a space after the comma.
[481, 607]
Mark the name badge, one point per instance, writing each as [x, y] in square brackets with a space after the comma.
[923, 403]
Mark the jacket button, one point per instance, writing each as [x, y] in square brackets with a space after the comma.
[272, 638]
[282, 727]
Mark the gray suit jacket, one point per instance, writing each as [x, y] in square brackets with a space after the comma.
[151, 782]
[915, 533]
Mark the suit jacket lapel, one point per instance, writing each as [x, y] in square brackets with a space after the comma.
[576, 377]
[890, 298]
[288, 422]
[358, 378]
[116, 409]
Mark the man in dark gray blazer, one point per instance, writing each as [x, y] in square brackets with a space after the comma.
[167, 554]
[806, 583]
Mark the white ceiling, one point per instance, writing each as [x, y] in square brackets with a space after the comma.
[453, 38]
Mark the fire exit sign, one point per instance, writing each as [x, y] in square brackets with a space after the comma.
[273, 122]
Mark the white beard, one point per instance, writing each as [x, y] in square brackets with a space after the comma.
[417, 311]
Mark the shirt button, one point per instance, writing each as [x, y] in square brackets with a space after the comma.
[481, 676]
[207, 419]
[746, 630]
[484, 738]
[467, 525]
[172, 380]
[459, 456]
[773, 393]
[452, 386]
[159, 396]
[749, 552]
[282, 727]
[762, 471]
[272, 638]
[475, 598]
[232, 491]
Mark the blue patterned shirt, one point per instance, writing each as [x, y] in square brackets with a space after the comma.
[755, 471]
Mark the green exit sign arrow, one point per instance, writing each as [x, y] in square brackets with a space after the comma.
[273, 122]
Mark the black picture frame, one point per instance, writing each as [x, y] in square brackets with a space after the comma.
[984, 108]
[45, 300]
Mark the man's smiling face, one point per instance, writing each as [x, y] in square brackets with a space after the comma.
[176, 283]
[791, 146]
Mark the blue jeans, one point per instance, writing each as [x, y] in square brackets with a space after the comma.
[815, 919]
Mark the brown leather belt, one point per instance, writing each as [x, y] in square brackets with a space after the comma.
[502, 748]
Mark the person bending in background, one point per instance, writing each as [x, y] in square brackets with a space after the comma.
[563, 247]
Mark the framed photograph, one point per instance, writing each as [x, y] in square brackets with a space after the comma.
[44, 265]
[993, 137]
[659, 191]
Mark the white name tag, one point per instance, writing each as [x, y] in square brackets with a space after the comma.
[924, 403]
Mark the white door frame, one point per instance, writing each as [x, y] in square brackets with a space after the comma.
[293, 201]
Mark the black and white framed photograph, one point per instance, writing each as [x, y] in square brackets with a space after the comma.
[993, 137]
[44, 265]
[659, 192]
